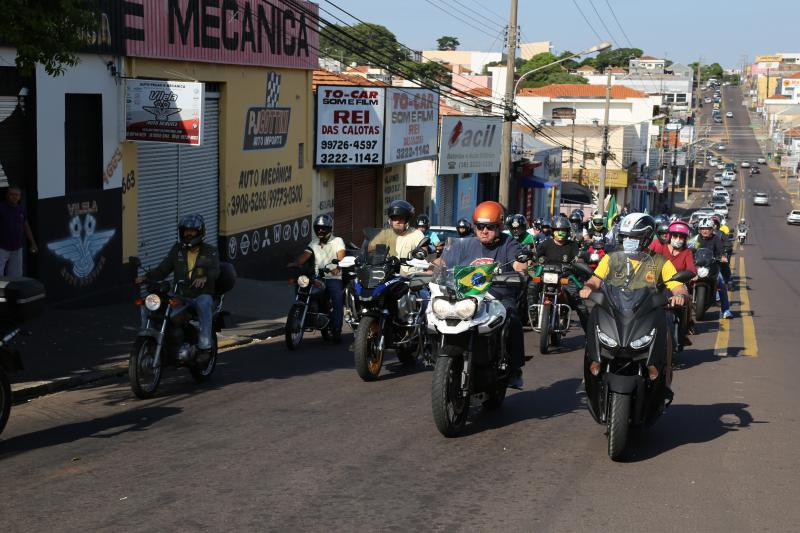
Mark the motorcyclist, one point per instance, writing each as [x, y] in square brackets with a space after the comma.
[636, 231]
[464, 228]
[578, 232]
[325, 247]
[557, 251]
[195, 268]
[725, 236]
[682, 259]
[399, 236]
[708, 239]
[597, 249]
[742, 229]
[535, 227]
[490, 244]
[424, 225]
[546, 233]
[661, 242]
[519, 230]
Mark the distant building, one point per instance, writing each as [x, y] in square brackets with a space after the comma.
[528, 50]
[462, 61]
[647, 64]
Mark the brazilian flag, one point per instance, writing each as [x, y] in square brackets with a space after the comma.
[473, 280]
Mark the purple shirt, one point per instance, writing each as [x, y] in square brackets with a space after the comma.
[12, 221]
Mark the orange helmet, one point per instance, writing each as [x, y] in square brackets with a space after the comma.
[488, 212]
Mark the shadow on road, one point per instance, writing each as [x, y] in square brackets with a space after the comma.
[690, 358]
[98, 428]
[689, 424]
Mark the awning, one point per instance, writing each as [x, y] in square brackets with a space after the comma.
[536, 182]
[575, 193]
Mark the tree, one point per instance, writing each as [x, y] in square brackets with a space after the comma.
[447, 42]
[363, 43]
[569, 64]
[428, 73]
[549, 75]
[49, 32]
[518, 62]
[616, 58]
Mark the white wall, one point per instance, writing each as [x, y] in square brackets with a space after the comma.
[88, 76]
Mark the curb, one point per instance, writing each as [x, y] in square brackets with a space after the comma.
[43, 388]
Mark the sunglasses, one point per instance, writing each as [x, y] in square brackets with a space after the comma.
[481, 226]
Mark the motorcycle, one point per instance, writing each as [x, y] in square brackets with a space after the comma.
[20, 299]
[627, 363]
[473, 357]
[311, 311]
[385, 309]
[741, 235]
[704, 288]
[550, 317]
[171, 331]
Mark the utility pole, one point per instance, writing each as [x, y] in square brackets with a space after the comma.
[508, 115]
[572, 150]
[674, 171]
[601, 192]
[694, 129]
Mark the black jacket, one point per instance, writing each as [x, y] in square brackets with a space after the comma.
[207, 264]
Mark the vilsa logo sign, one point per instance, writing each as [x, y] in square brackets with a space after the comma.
[81, 250]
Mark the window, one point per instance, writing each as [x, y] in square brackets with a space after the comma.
[83, 142]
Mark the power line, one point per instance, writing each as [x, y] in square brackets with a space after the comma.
[479, 15]
[587, 20]
[591, 3]
[611, 9]
[450, 13]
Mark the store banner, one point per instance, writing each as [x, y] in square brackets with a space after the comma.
[412, 125]
[470, 144]
[163, 111]
[350, 126]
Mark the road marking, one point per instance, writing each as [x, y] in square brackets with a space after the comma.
[748, 324]
[723, 336]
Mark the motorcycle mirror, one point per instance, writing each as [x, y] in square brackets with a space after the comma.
[524, 256]
[419, 254]
[348, 261]
[583, 268]
[683, 276]
[424, 242]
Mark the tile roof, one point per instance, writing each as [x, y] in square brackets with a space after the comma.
[649, 58]
[358, 68]
[793, 132]
[618, 70]
[585, 68]
[324, 77]
[577, 90]
[479, 91]
[793, 76]
[778, 97]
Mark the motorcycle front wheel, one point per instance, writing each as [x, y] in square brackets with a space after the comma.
[544, 335]
[368, 358]
[619, 413]
[294, 327]
[201, 374]
[5, 399]
[143, 377]
[450, 408]
[700, 297]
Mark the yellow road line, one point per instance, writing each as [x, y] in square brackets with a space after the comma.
[723, 336]
[748, 324]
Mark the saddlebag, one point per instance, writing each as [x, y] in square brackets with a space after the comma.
[20, 298]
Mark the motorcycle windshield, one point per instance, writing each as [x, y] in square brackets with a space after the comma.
[703, 257]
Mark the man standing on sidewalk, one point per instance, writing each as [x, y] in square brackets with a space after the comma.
[13, 223]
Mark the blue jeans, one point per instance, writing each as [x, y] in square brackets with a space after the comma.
[335, 291]
[725, 304]
[203, 306]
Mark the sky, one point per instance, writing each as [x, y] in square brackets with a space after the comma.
[721, 31]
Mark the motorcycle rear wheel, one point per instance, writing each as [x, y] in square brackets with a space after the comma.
[619, 413]
[368, 358]
[544, 335]
[5, 399]
[294, 327]
[144, 379]
[700, 306]
[450, 410]
[203, 374]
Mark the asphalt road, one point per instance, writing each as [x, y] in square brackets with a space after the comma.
[295, 441]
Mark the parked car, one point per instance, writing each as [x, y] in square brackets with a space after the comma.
[719, 189]
[721, 147]
[729, 174]
[762, 161]
[699, 215]
[727, 182]
[745, 164]
[793, 217]
[445, 232]
[707, 99]
[720, 166]
[717, 177]
[761, 198]
[729, 114]
[720, 208]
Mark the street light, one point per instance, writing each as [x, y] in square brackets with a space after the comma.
[511, 91]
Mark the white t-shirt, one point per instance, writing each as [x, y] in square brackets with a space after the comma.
[405, 245]
[324, 254]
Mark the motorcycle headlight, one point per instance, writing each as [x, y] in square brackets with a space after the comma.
[152, 302]
[643, 341]
[595, 258]
[303, 281]
[550, 278]
[442, 308]
[465, 309]
[702, 272]
[605, 339]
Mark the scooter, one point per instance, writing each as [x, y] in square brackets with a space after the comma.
[704, 289]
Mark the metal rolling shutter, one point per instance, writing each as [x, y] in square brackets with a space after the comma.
[175, 180]
[12, 149]
[355, 200]
[343, 205]
[446, 208]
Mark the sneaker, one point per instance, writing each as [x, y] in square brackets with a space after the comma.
[727, 314]
[718, 297]
[515, 380]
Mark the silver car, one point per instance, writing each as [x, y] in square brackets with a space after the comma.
[793, 217]
[761, 198]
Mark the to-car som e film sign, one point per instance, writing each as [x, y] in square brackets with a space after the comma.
[350, 126]
[412, 124]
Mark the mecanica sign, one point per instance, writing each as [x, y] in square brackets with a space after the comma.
[242, 32]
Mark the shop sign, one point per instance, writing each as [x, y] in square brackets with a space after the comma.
[350, 126]
[470, 144]
[163, 111]
[393, 185]
[267, 127]
[412, 124]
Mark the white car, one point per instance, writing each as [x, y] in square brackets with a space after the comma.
[729, 174]
[720, 209]
[729, 114]
[720, 166]
[745, 164]
[719, 189]
[793, 217]
[726, 182]
[761, 198]
[718, 177]
[762, 161]
[721, 147]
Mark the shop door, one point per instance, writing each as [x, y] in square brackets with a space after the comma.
[12, 138]
[176, 180]
[355, 203]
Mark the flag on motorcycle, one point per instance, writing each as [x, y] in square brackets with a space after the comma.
[474, 279]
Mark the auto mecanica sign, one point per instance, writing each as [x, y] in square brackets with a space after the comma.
[412, 124]
[470, 144]
[350, 126]
[163, 111]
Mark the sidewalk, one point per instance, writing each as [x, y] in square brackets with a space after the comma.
[71, 346]
[758, 122]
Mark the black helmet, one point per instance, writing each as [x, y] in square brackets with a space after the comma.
[194, 222]
[424, 220]
[658, 219]
[518, 225]
[507, 221]
[402, 209]
[464, 227]
[662, 227]
[638, 226]
[561, 223]
[576, 217]
[323, 226]
[537, 223]
[546, 223]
